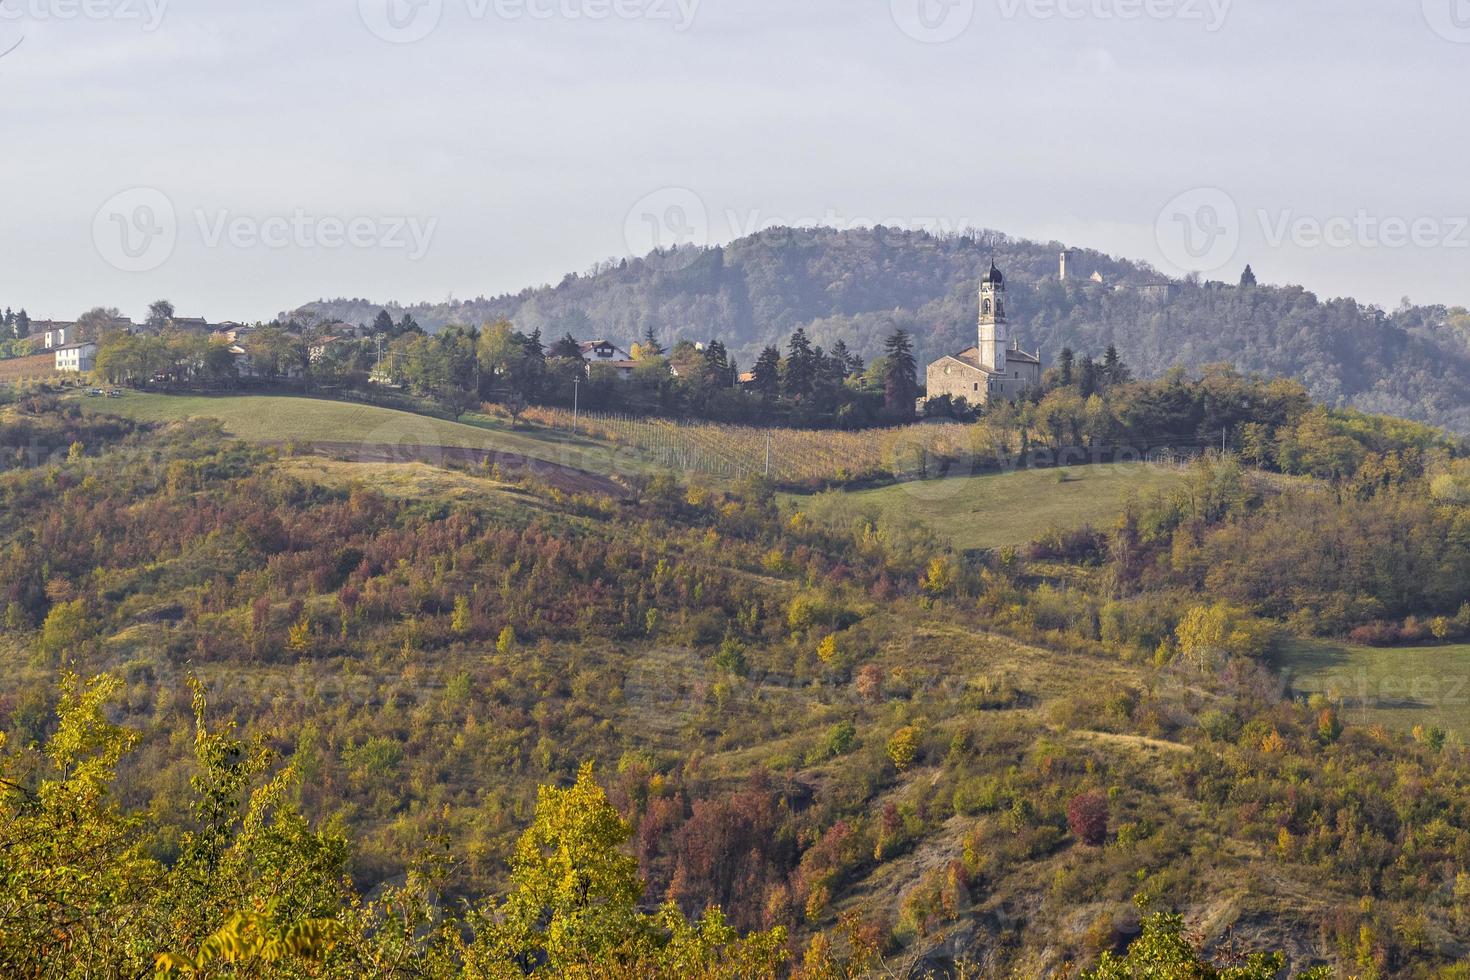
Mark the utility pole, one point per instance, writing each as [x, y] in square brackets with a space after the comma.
[768, 454]
[576, 390]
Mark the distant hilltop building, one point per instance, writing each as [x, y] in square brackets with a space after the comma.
[1156, 289]
[996, 368]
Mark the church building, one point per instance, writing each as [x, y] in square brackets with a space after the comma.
[996, 368]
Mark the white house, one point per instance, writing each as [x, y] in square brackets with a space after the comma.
[76, 357]
[606, 352]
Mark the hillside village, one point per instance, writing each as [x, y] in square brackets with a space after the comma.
[461, 366]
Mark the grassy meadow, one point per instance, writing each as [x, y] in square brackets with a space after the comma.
[1397, 687]
[995, 510]
[978, 512]
[285, 419]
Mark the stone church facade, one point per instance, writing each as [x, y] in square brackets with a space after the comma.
[996, 368]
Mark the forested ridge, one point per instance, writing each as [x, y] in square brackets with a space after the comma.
[856, 743]
[859, 286]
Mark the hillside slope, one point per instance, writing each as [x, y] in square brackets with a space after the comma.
[859, 285]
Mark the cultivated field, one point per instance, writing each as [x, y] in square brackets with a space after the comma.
[996, 510]
[39, 367]
[1397, 687]
[788, 456]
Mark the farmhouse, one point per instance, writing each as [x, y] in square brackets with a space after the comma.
[76, 357]
[996, 368]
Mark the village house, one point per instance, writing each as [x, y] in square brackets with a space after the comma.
[81, 357]
[605, 352]
[52, 334]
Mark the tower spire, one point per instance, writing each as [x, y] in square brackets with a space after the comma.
[993, 329]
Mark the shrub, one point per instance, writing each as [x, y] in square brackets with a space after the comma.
[903, 747]
[1087, 818]
[1376, 635]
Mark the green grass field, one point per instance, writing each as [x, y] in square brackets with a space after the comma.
[1001, 509]
[1397, 687]
[284, 419]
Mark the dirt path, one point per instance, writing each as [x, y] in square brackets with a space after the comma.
[513, 465]
[1138, 741]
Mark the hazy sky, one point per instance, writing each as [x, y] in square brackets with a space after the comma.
[241, 158]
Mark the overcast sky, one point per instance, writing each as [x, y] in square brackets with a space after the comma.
[242, 158]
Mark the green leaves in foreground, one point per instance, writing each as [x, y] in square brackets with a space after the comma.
[254, 891]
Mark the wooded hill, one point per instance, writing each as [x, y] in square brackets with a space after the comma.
[858, 286]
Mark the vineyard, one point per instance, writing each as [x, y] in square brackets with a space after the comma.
[789, 457]
[17, 370]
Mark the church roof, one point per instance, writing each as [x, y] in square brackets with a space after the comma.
[970, 357]
[994, 275]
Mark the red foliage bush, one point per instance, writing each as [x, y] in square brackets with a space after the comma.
[1087, 818]
[1377, 635]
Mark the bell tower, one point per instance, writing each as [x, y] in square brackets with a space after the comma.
[994, 334]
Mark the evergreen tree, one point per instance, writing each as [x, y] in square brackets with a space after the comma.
[800, 373]
[1248, 277]
[1087, 377]
[842, 359]
[534, 348]
[767, 373]
[1114, 371]
[716, 371]
[899, 370]
[1064, 367]
[22, 324]
[383, 323]
[566, 348]
[650, 346]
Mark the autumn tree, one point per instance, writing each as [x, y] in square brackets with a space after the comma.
[573, 907]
